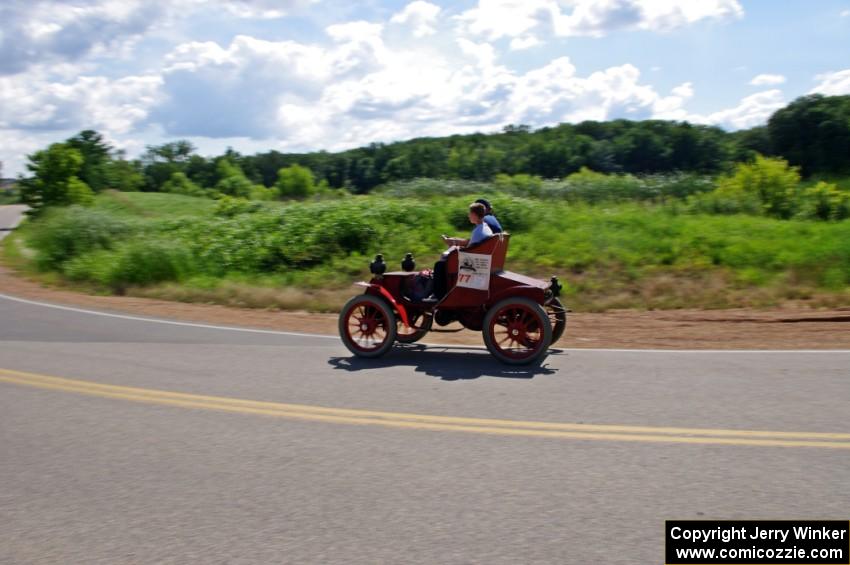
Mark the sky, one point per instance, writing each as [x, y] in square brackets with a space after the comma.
[307, 75]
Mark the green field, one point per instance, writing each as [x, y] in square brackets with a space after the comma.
[306, 254]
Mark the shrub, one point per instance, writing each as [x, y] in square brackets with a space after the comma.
[228, 207]
[771, 181]
[180, 184]
[260, 192]
[144, 263]
[232, 181]
[79, 192]
[132, 264]
[237, 186]
[718, 202]
[295, 182]
[824, 201]
[65, 233]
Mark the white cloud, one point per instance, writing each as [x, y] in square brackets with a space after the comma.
[235, 91]
[359, 89]
[666, 15]
[752, 111]
[684, 90]
[355, 31]
[31, 101]
[37, 31]
[845, 14]
[526, 42]
[494, 19]
[256, 9]
[482, 53]
[767, 80]
[421, 16]
[833, 84]
[14, 148]
[672, 107]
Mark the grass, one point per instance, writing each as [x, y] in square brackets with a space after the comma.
[152, 204]
[306, 254]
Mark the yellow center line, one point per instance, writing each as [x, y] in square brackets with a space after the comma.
[431, 422]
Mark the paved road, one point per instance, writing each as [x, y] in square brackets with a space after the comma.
[164, 467]
[10, 217]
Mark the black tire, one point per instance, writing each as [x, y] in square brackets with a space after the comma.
[367, 326]
[409, 335]
[558, 317]
[523, 323]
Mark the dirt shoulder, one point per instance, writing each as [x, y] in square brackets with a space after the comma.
[791, 328]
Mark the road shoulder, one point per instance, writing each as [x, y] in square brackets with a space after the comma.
[791, 328]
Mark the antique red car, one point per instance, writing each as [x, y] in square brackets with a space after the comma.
[519, 316]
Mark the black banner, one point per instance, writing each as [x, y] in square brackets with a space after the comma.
[757, 542]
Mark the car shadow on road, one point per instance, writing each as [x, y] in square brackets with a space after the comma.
[453, 363]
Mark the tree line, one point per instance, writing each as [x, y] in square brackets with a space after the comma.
[812, 133]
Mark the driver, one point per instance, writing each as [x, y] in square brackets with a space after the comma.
[482, 231]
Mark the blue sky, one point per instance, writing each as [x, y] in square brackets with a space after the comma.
[302, 75]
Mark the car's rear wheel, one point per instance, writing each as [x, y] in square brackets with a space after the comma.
[557, 317]
[420, 326]
[517, 331]
[367, 326]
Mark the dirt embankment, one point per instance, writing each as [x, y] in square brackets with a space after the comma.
[790, 328]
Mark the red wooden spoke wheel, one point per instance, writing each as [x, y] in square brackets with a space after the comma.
[367, 326]
[421, 326]
[517, 331]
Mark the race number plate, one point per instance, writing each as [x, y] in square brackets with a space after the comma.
[473, 271]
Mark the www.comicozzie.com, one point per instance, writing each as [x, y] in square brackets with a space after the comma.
[696, 542]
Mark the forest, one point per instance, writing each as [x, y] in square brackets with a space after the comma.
[812, 133]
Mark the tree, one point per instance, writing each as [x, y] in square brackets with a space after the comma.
[124, 175]
[295, 182]
[813, 132]
[160, 162]
[749, 142]
[172, 152]
[232, 181]
[55, 181]
[96, 157]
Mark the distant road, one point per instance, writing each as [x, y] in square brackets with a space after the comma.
[10, 217]
[124, 440]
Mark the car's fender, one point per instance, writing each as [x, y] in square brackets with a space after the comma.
[402, 312]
